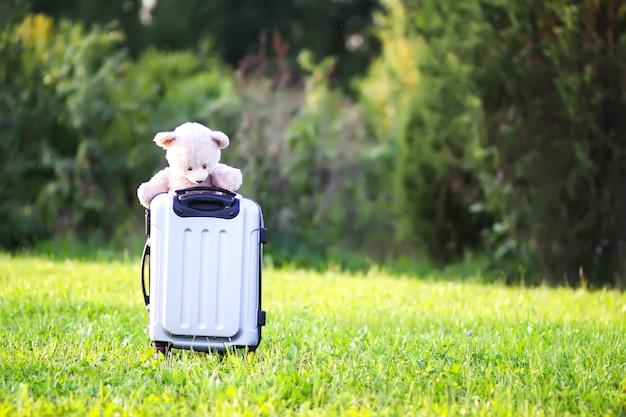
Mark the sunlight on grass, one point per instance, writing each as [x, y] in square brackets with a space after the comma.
[75, 342]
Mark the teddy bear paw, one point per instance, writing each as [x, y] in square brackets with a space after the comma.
[144, 195]
[230, 180]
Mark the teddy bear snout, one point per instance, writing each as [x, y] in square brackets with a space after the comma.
[198, 176]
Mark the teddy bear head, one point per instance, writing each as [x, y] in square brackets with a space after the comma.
[192, 150]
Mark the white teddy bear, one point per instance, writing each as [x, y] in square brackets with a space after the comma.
[193, 153]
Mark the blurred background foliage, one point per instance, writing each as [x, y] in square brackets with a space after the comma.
[369, 131]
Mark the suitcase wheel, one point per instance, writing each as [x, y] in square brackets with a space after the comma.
[161, 350]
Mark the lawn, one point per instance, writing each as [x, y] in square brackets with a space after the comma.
[75, 342]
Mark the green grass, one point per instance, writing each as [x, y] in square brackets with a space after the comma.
[74, 342]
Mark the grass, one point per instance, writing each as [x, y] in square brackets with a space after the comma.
[74, 342]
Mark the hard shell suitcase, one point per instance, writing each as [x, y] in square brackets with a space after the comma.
[204, 253]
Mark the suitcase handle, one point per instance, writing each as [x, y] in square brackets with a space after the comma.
[205, 188]
[209, 201]
[144, 256]
[218, 203]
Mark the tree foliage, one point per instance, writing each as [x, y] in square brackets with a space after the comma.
[326, 27]
[425, 72]
[482, 124]
[515, 112]
[125, 13]
[78, 117]
[300, 150]
[553, 76]
[318, 173]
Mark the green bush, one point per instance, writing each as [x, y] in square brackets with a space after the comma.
[78, 118]
[336, 170]
[82, 68]
[309, 159]
[509, 115]
[483, 114]
[422, 90]
[32, 129]
[307, 154]
[552, 76]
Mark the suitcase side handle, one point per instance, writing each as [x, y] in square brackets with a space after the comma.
[145, 256]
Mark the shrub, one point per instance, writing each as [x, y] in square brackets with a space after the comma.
[312, 164]
[552, 78]
[513, 110]
[32, 129]
[421, 90]
[336, 170]
[78, 118]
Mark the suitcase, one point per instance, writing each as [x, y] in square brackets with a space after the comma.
[204, 255]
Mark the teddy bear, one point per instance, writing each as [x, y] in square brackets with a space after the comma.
[193, 154]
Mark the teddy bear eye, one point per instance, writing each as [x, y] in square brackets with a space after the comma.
[189, 169]
[203, 166]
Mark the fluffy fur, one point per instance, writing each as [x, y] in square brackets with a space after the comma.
[193, 154]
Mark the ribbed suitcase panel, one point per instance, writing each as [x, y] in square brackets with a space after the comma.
[203, 297]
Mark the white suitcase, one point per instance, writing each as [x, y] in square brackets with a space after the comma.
[205, 249]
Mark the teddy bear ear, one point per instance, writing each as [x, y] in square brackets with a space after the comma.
[165, 139]
[220, 138]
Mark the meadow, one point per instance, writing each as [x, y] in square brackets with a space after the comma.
[74, 341]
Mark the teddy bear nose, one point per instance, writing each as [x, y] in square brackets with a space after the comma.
[199, 182]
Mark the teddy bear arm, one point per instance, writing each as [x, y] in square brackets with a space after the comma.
[159, 183]
[227, 177]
